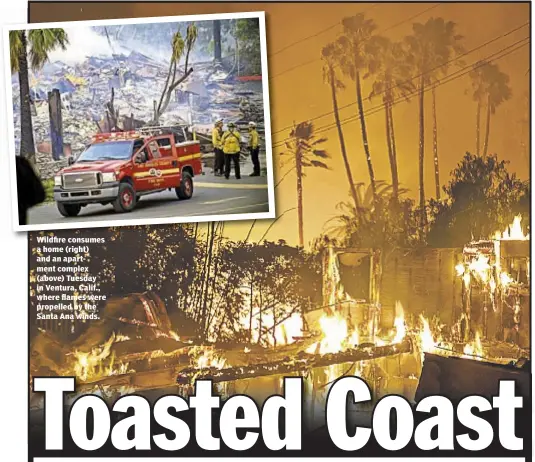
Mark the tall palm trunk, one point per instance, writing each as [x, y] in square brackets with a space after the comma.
[395, 177]
[487, 130]
[299, 171]
[27, 145]
[421, 152]
[435, 147]
[365, 137]
[478, 127]
[343, 144]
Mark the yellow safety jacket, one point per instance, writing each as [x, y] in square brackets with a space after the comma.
[216, 138]
[231, 142]
[253, 139]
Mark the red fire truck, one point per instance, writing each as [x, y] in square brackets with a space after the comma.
[118, 168]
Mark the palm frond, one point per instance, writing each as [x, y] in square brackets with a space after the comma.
[15, 48]
[317, 163]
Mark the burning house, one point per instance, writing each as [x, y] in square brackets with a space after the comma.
[496, 287]
[139, 345]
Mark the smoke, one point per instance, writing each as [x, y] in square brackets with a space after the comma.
[143, 38]
[84, 42]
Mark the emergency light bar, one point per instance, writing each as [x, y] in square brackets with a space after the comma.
[116, 136]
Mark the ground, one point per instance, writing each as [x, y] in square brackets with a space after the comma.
[212, 196]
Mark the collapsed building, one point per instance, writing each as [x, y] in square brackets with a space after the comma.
[81, 94]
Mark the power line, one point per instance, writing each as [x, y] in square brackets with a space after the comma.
[449, 78]
[380, 107]
[297, 42]
[306, 63]
[488, 42]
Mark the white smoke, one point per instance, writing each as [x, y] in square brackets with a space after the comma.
[84, 42]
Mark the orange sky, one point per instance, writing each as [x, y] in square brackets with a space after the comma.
[301, 94]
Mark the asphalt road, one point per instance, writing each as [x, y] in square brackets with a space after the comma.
[211, 196]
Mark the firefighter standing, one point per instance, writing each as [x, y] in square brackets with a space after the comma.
[219, 159]
[231, 148]
[254, 149]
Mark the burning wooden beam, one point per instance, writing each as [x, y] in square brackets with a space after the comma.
[301, 363]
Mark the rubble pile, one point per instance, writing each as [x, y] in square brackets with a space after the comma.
[207, 95]
[47, 167]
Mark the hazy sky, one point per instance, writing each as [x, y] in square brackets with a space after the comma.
[301, 94]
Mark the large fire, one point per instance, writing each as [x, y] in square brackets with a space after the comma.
[203, 357]
[99, 362]
[513, 232]
[335, 335]
[399, 323]
[474, 350]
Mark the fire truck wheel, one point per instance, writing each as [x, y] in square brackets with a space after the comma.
[126, 200]
[69, 210]
[185, 190]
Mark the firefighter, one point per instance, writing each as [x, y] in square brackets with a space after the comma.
[254, 149]
[219, 159]
[231, 148]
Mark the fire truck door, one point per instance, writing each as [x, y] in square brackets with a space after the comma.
[157, 172]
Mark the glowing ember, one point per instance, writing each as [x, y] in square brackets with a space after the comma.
[480, 266]
[460, 269]
[336, 336]
[174, 335]
[466, 279]
[474, 349]
[90, 364]
[206, 357]
[399, 323]
[505, 279]
[336, 292]
[334, 329]
[425, 337]
[290, 328]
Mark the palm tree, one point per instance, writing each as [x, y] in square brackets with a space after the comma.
[180, 48]
[353, 60]
[431, 47]
[33, 46]
[498, 91]
[328, 54]
[391, 72]
[479, 76]
[303, 151]
[378, 220]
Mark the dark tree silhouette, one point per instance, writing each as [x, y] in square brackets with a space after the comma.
[390, 71]
[329, 54]
[304, 151]
[353, 60]
[431, 47]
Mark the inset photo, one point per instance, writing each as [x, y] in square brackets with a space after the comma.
[139, 121]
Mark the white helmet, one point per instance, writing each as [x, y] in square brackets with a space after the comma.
[252, 124]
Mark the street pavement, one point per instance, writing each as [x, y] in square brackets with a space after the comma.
[211, 196]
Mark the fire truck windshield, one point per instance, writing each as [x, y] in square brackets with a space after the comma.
[113, 150]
